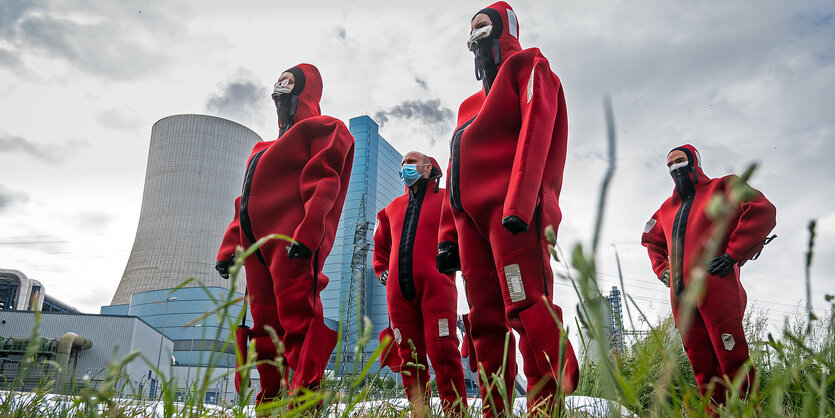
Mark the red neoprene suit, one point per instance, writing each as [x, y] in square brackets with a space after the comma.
[714, 340]
[421, 302]
[296, 186]
[507, 158]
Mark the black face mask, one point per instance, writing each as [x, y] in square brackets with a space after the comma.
[488, 54]
[287, 103]
[285, 106]
[487, 59]
[683, 181]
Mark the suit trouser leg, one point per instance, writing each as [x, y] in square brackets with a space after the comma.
[702, 357]
[488, 328]
[722, 310]
[526, 280]
[439, 308]
[407, 323]
[308, 342]
[264, 312]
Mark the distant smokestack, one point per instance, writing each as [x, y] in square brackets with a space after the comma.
[195, 171]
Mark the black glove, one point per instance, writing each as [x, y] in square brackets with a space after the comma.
[721, 265]
[514, 224]
[384, 277]
[222, 267]
[448, 260]
[298, 250]
[665, 277]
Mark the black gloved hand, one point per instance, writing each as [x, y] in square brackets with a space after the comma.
[384, 277]
[448, 260]
[298, 250]
[721, 265]
[514, 224]
[222, 267]
[665, 277]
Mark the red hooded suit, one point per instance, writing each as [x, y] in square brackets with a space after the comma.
[676, 237]
[506, 159]
[421, 301]
[294, 185]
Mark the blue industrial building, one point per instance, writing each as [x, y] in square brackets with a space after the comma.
[188, 317]
[374, 184]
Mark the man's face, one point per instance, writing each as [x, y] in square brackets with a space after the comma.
[420, 161]
[479, 21]
[675, 157]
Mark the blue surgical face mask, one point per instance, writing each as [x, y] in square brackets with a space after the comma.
[409, 174]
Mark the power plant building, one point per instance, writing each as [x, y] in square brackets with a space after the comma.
[195, 171]
[20, 293]
[83, 344]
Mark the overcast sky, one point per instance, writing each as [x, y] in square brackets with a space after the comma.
[81, 83]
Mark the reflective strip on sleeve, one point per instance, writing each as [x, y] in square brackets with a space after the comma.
[650, 224]
[530, 84]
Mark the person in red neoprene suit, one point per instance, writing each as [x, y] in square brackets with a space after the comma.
[676, 237]
[421, 301]
[294, 185]
[506, 166]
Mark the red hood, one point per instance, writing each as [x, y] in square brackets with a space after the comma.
[505, 27]
[694, 162]
[308, 88]
[436, 168]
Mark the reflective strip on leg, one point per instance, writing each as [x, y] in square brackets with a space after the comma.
[514, 282]
[728, 341]
[443, 327]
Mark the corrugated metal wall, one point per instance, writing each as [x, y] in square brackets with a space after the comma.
[121, 333]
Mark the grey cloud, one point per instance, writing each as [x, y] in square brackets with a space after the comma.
[422, 83]
[429, 112]
[100, 44]
[12, 10]
[92, 220]
[83, 46]
[115, 119]
[10, 197]
[47, 153]
[241, 99]
[9, 59]
[48, 244]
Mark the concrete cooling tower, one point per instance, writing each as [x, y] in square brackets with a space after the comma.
[195, 170]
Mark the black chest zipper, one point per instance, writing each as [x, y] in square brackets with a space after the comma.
[455, 166]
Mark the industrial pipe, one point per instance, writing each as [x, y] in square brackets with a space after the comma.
[65, 346]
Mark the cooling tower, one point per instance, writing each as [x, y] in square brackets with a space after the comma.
[195, 170]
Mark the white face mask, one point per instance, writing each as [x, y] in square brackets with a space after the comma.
[282, 87]
[678, 165]
[479, 33]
